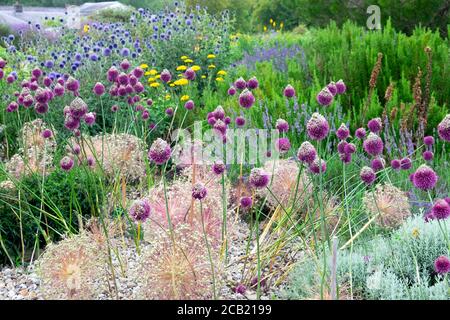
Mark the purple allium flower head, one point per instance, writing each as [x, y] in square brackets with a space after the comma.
[189, 74]
[350, 148]
[189, 105]
[405, 163]
[41, 95]
[58, 90]
[89, 118]
[375, 125]
[444, 128]
[325, 97]
[447, 199]
[342, 132]
[341, 146]
[345, 157]
[227, 120]
[425, 178]
[306, 153]
[220, 126]
[99, 89]
[427, 155]
[240, 121]
[140, 210]
[442, 265]
[373, 144]
[138, 72]
[47, 81]
[283, 145]
[212, 121]
[199, 191]
[246, 202]
[289, 91]
[332, 88]
[252, 83]
[149, 102]
[169, 111]
[125, 64]
[240, 288]
[112, 74]
[231, 91]
[218, 113]
[132, 79]
[246, 99]
[440, 209]
[218, 167]
[377, 164]
[41, 108]
[37, 73]
[145, 115]
[159, 152]
[28, 101]
[2, 63]
[395, 164]
[341, 87]
[282, 125]
[90, 160]
[259, 178]
[2, 74]
[138, 88]
[78, 108]
[123, 79]
[76, 149]
[317, 127]
[12, 106]
[165, 76]
[318, 166]
[428, 140]
[367, 175]
[72, 84]
[240, 84]
[66, 163]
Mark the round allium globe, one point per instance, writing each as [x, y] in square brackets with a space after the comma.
[341, 87]
[199, 191]
[240, 121]
[258, 178]
[189, 74]
[240, 84]
[246, 202]
[159, 152]
[138, 72]
[66, 163]
[282, 125]
[283, 145]
[427, 155]
[240, 288]
[246, 99]
[47, 133]
[71, 123]
[252, 83]
[428, 140]
[89, 118]
[41, 108]
[345, 157]
[360, 133]
[425, 178]
[125, 64]
[220, 126]
[165, 76]
[218, 167]
[440, 209]
[112, 74]
[169, 111]
[318, 166]
[72, 84]
[317, 127]
[218, 113]
[442, 265]
[140, 210]
[395, 164]
[78, 108]
[189, 105]
[367, 175]
[325, 97]
[307, 152]
[373, 144]
[405, 163]
[231, 91]
[289, 91]
[99, 89]
[378, 164]
[444, 128]
[341, 146]
[332, 88]
[58, 90]
[350, 148]
[342, 132]
[375, 125]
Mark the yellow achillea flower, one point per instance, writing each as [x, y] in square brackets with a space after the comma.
[274, 24]
[157, 76]
[211, 56]
[86, 28]
[265, 28]
[181, 68]
[211, 66]
[184, 98]
[147, 73]
[151, 79]
[152, 72]
[167, 96]
[181, 82]
[203, 77]
[281, 25]
[154, 84]
[222, 73]
[195, 68]
[144, 66]
[271, 20]
[188, 61]
[219, 79]
[184, 57]
[172, 85]
[415, 233]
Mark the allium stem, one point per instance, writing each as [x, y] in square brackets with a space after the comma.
[209, 253]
